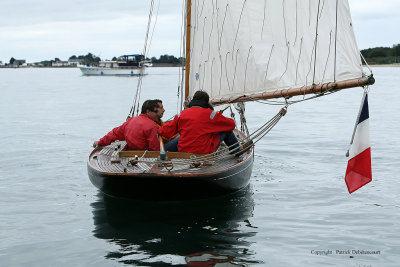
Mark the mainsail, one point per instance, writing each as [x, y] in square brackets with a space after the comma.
[243, 47]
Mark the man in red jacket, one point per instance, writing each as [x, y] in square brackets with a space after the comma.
[201, 129]
[140, 132]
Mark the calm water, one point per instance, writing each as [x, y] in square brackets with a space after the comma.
[297, 203]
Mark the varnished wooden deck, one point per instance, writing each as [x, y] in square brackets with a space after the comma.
[113, 159]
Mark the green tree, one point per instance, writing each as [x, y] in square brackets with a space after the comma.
[89, 59]
[12, 60]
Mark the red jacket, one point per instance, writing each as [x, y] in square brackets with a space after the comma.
[199, 129]
[140, 133]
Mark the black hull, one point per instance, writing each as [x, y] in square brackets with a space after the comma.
[173, 186]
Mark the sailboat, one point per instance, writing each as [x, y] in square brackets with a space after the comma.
[238, 51]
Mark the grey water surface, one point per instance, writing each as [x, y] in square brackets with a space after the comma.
[296, 211]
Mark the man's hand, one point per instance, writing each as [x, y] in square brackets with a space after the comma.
[95, 144]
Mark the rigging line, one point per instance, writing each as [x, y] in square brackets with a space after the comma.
[179, 101]
[222, 28]
[295, 38]
[220, 74]
[204, 74]
[211, 72]
[154, 26]
[316, 40]
[218, 44]
[269, 59]
[234, 73]
[366, 63]
[293, 101]
[146, 49]
[237, 30]
[329, 54]
[287, 61]
[309, 69]
[268, 102]
[312, 97]
[336, 31]
[211, 31]
[232, 114]
[139, 85]
[262, 28]
[226, 70]
[261, 129]
[322, 9]
[202, 43]
[298, 61]
[284, 20]
[260, 135]
[202, 8]
[195, 15]
[245, 73]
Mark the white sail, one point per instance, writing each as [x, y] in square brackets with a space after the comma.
[242, 47]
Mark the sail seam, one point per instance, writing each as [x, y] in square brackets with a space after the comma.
[316, 39]
[237, 30]
[269, 59]
[262, 28]
[329, 54]
[245, 73]
[298, 61]
[336, 31]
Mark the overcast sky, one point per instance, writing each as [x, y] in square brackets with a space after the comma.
[38, 30]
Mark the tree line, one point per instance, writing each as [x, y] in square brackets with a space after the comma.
[382, 55]
[377, 55]
[92, 59]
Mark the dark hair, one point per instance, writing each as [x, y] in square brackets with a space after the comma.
[158, 100]
[201, 95]
[149, 105]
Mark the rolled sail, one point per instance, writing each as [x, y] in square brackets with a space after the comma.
[246, 47]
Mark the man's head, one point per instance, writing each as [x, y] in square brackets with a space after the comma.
[202, 96]
[150, 107]
[161, 109]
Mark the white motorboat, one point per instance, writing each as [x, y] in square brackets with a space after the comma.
[125, 65]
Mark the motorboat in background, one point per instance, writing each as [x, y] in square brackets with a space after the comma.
[126, 65]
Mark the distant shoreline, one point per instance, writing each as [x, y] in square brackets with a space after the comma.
[166, 65]
[383, 65]
[68, 67]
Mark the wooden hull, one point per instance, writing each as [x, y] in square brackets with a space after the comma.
[173, 186]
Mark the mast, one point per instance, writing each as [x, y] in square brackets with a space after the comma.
[187, 56]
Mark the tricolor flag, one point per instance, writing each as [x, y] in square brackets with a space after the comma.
[358, 171]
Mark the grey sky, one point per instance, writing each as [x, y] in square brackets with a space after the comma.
[45, 29]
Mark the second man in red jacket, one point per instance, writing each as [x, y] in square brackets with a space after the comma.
[201, 129]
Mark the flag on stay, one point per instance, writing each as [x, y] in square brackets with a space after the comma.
[358, 171]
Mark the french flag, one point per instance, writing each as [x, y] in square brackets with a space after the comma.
[359, 171]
